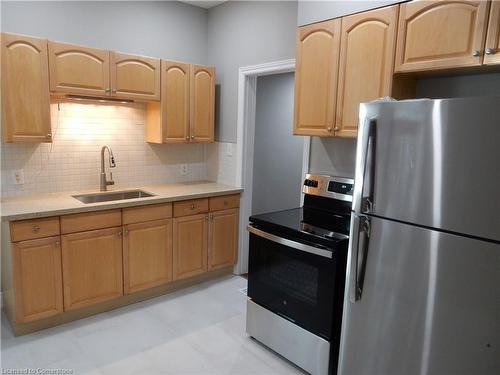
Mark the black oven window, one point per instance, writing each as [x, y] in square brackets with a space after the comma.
[294, 278]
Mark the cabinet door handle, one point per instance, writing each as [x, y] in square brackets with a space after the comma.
[58, 244]
[107, 90]
[192, 137]
[476, 53]
[119, 234]
[489, 51]
[36, 228]
[187, 137]
[125, 232]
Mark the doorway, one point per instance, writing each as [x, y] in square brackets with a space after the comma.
[277, 156]
[246, 147]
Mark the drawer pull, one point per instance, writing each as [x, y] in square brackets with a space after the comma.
[36, 229]
[192, 206]
[58, 244]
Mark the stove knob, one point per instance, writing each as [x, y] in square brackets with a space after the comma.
[314, 184]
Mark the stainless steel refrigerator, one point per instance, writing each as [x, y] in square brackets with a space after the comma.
[423, 284]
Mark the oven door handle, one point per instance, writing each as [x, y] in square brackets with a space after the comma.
[286, 242]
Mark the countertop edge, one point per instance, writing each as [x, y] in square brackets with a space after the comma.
[118, 204]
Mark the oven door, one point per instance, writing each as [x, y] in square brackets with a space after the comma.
[293, 279]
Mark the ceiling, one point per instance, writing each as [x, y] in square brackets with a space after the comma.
[204, 3]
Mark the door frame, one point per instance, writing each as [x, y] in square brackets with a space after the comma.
[247, 94]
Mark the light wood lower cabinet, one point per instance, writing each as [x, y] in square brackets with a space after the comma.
[147, 255]
[96, 259]
[92, 267]
[37, 279]
[492, 47]
[223, 238]
[190, 245]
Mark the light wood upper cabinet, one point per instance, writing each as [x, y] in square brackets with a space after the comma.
[37, 279]
[175, 101]
[366, 64]
[317, 57]
[202, 103]
[92, 267]
[147, 255]
[440, 34]
[492, 46]
[25, 90]
[78, 70]
[223, 238]
[135, 77]
[190, 246]
[168, 121]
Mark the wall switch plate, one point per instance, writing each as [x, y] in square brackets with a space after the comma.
[229, 149]
[183, 169]
[18, 176]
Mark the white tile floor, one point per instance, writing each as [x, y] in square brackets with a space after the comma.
[199, 330]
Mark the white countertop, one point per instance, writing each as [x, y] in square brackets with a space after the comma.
[43, 205]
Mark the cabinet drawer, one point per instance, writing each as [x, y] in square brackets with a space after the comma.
[147, 213]
[90, 221]
[35, 228]
[190, 207]
[224, 202]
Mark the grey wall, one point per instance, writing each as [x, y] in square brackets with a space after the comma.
[277, 165]
[333, 156]
[244, 33]
[166, 29]
[459, 86]
[314, 11]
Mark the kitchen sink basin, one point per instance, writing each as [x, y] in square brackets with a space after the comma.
[111, 196]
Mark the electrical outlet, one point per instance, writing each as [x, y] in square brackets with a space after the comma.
[183, 169]
[229, 149]
[18, 176]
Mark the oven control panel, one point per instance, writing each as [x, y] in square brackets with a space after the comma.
[329, 186]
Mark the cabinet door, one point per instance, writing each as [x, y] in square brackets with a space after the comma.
[190, 245]
[37, 279]
[135, 77]
[492, 47]
[366, 64]
[147, 255]
[25, 90]
[316, 78]
[440, 34]
[92, 267]
[175, 101]
[78, 70]
[202, 103]
[223, 241]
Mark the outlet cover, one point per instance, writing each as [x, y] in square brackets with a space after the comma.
[229, 149]
[18, 176]
[183, 169]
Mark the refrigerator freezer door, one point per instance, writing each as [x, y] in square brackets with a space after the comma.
[432, 162]
[430, 304]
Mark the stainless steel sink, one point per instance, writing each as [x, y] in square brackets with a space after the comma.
[111, 196]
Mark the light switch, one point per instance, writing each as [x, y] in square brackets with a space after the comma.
[183, 169]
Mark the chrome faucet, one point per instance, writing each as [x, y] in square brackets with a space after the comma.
[104, 181]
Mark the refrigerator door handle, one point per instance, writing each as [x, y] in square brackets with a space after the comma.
[359, 247]
[366, 155]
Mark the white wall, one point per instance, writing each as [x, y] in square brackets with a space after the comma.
[165, 29]
[277, 165]
[242, 33]
[310, 11]
[72, 161]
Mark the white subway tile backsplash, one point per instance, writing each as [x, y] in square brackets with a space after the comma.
[221, 166]
[72, 161]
